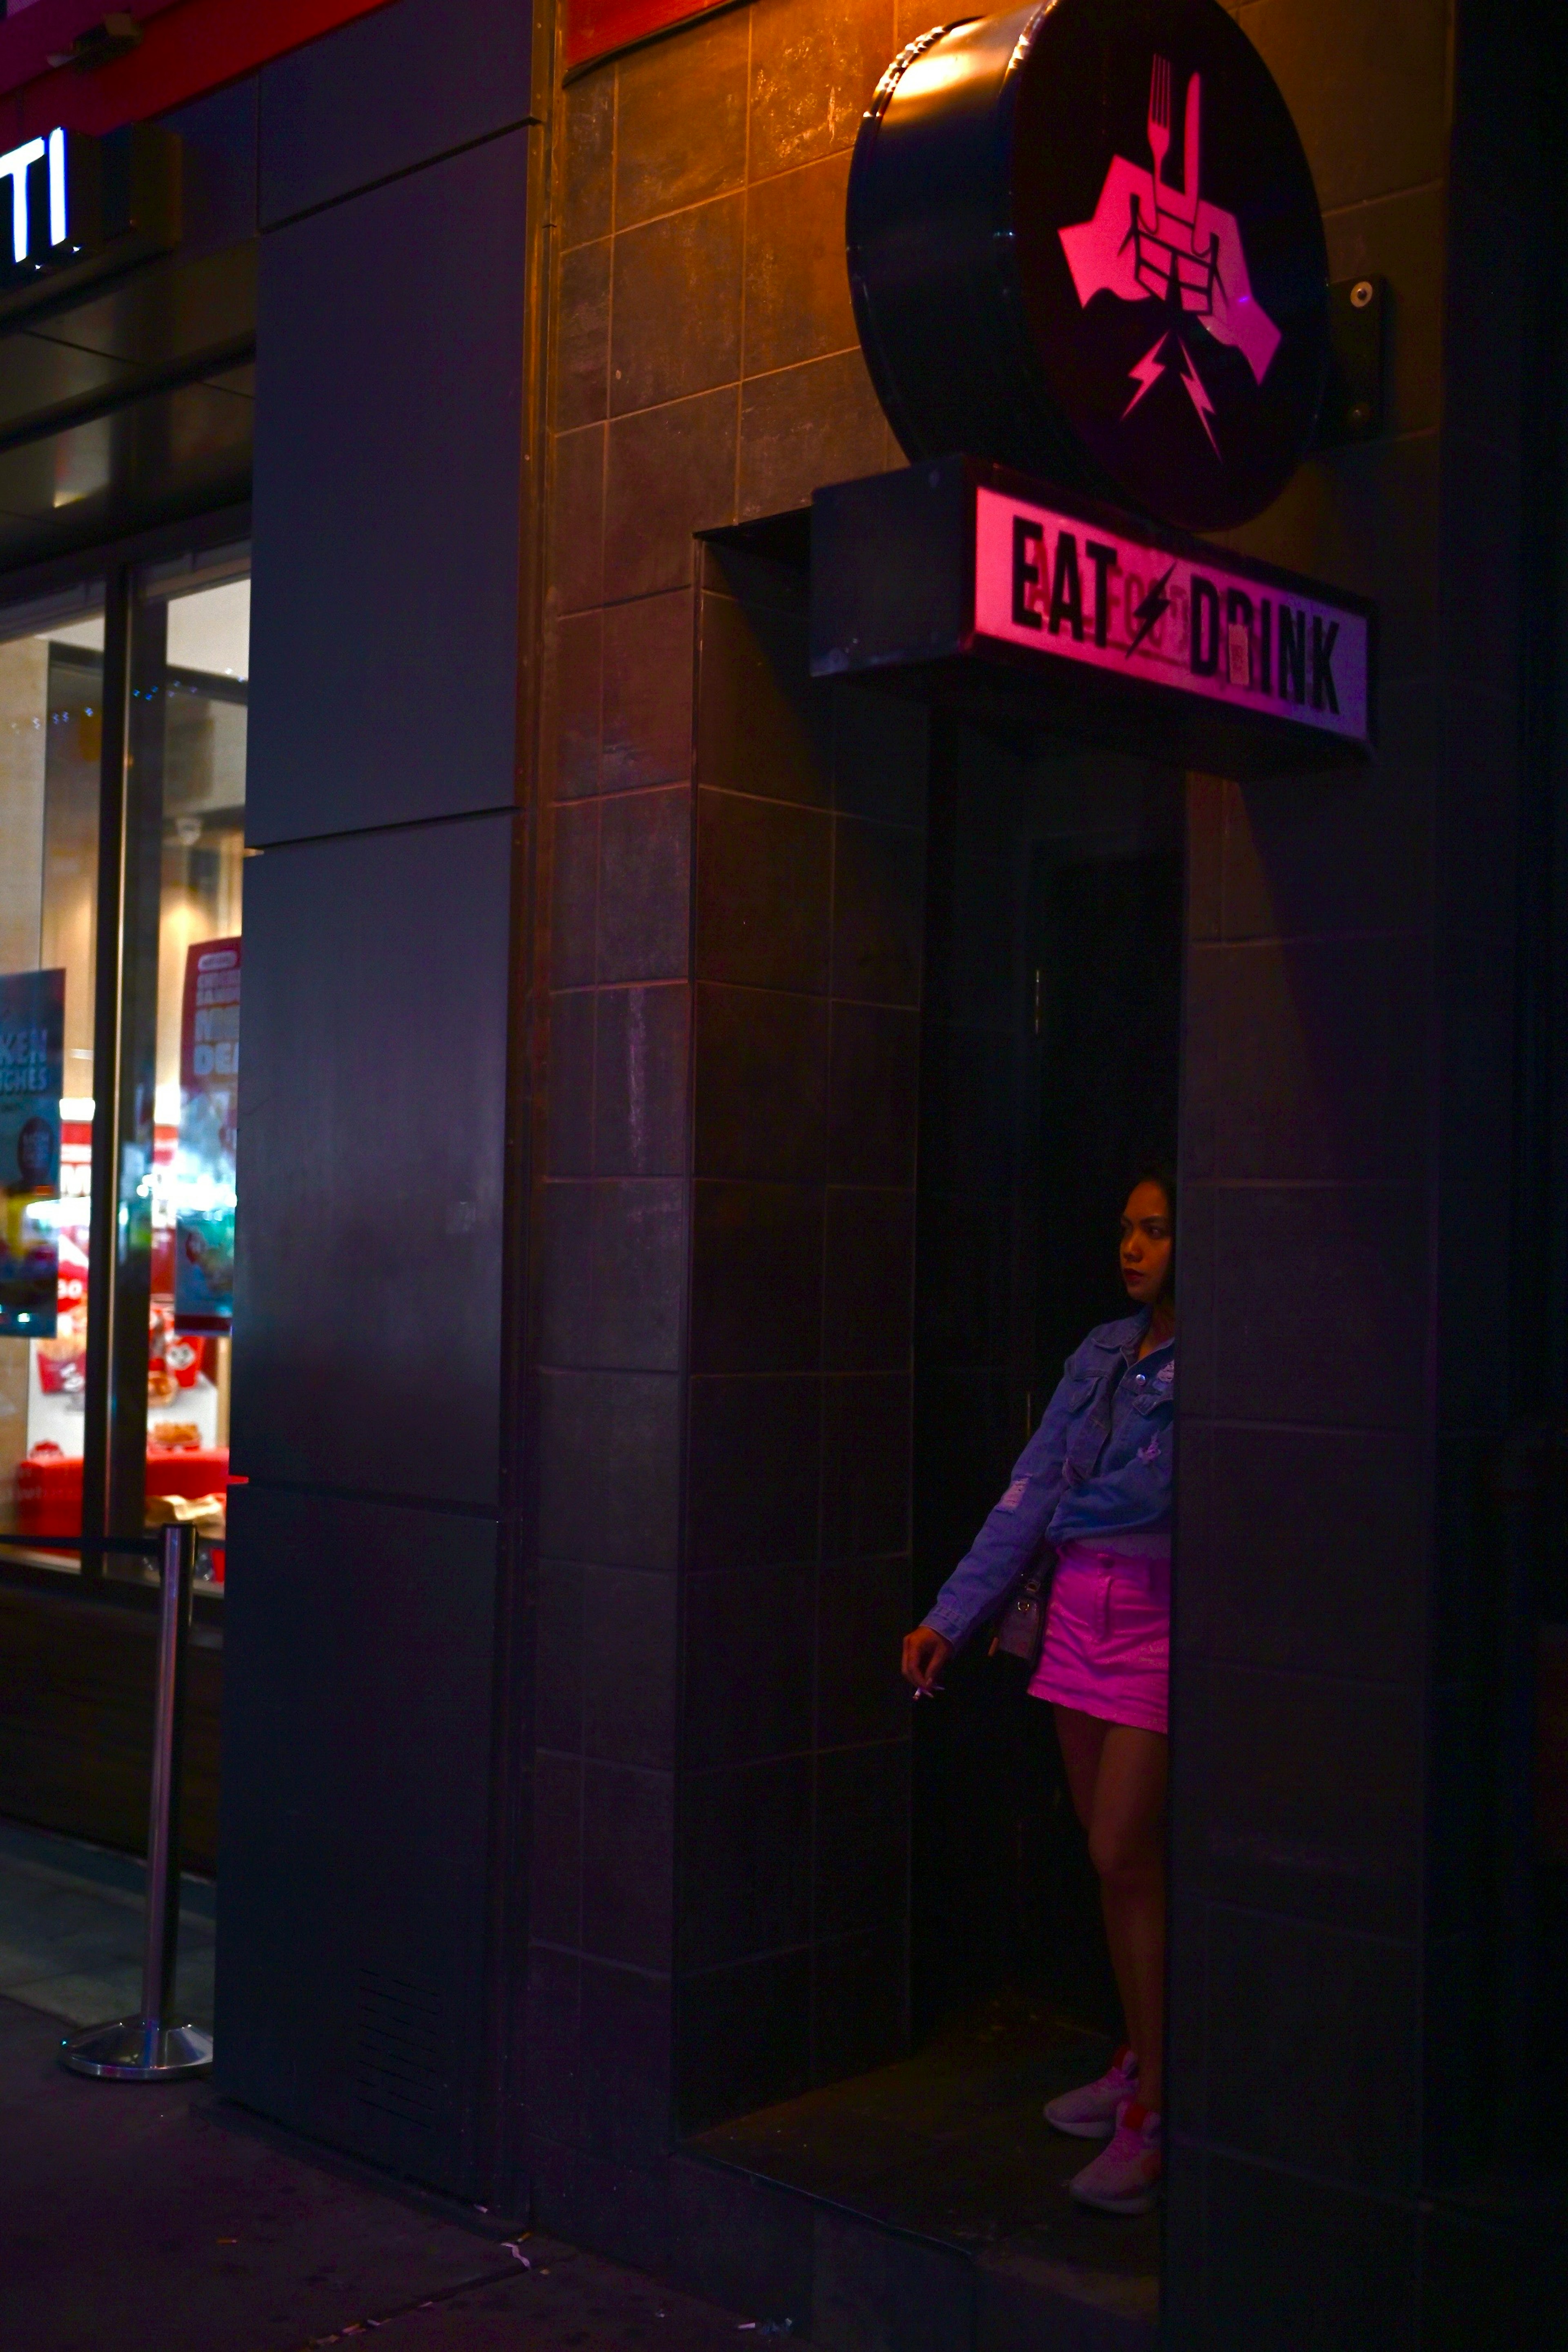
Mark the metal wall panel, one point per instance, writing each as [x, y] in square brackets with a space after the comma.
[367, 1352]
[387, 489]
[387, 93]
[356, 1736]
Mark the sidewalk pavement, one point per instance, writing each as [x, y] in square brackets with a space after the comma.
[138, 2217]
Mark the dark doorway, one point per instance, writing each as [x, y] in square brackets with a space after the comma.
[1050, 1037]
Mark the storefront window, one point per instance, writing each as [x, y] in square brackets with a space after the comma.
[114, 1378]
[191, 672]
[51, 734]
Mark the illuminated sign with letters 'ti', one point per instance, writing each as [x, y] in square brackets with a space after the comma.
[81, 208]
[17, 166]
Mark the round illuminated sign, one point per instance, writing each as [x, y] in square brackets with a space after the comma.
[1084, 241]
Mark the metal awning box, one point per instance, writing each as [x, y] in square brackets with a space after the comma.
[963, 584]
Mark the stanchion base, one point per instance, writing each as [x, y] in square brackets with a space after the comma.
[133, 2052]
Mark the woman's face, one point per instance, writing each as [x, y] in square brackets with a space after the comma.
[1147, 1241]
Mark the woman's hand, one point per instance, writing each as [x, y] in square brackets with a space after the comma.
[926, 1651]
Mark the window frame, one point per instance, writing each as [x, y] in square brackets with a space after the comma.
[138, 575]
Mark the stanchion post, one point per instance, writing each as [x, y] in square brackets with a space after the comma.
[153, 2047]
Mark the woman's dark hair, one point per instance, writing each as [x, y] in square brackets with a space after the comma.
[1156, 1169]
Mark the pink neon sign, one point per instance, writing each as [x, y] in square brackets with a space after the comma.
[1075, 591]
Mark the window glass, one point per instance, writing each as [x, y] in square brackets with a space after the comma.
[51, 735]
[205, 666]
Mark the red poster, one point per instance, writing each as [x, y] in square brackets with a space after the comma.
[209, 1122]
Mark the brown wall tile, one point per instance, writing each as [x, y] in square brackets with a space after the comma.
[648, 692]
[645, 874]
[573, 889]
[681, 133]
[760, 1084]
[570, 1150]
[1366, 88]
[753, 1477]
[577, 519]
[873, 1093]
[678, 304]
[583, 336]
[589, 145]
[813, 67]
[762, 892]
[671, 472]
[798, 281]
[878, 911]
[640, 1088]
[762, 726]
[576, 685]
[869, 1281]
[807, 426]
[913, 17]
[756, 1278]
[866, 1466]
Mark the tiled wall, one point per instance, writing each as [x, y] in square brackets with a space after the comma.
[794, 1809]
[727, 1219]
[1343, 1220]
[1345, 1260]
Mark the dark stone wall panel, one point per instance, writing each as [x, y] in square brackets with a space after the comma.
[1307, 2264]
[387, 93]
[1349, 1603]
[1302, 1796]
[1315, 1054]
[743, 2037]
[387, 518]
[746, 1848]
[1300, 2020]
[372, 1166]
[1358, 1257]
[358, 1642]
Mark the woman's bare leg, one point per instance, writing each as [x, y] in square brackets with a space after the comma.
[1116, 1776]
[1127, 1846]
[1081, 1738]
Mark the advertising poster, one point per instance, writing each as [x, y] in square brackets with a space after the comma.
[32, 1067]
[209, 1119]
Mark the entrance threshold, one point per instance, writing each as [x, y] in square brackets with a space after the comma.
[949, 2149]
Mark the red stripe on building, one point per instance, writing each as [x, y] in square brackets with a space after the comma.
[187, 46]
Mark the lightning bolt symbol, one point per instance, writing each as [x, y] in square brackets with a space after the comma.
[1198, 396]
[1149, 608]
[1146, 373]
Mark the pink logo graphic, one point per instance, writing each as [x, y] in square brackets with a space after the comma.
[1148, 240]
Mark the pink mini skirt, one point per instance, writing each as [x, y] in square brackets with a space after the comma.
[1107, 1647]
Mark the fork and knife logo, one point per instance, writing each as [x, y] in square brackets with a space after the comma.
[1152, 241]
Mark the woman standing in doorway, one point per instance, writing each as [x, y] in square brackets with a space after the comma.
[1094, 1483]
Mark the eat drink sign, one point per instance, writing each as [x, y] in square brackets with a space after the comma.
[1049, 581]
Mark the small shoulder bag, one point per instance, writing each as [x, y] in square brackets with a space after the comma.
[1020, 1629]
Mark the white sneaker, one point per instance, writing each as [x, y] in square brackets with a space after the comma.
[1125, 2177]
[1090, 2113]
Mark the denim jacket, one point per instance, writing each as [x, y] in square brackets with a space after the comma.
[1098, 1463]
